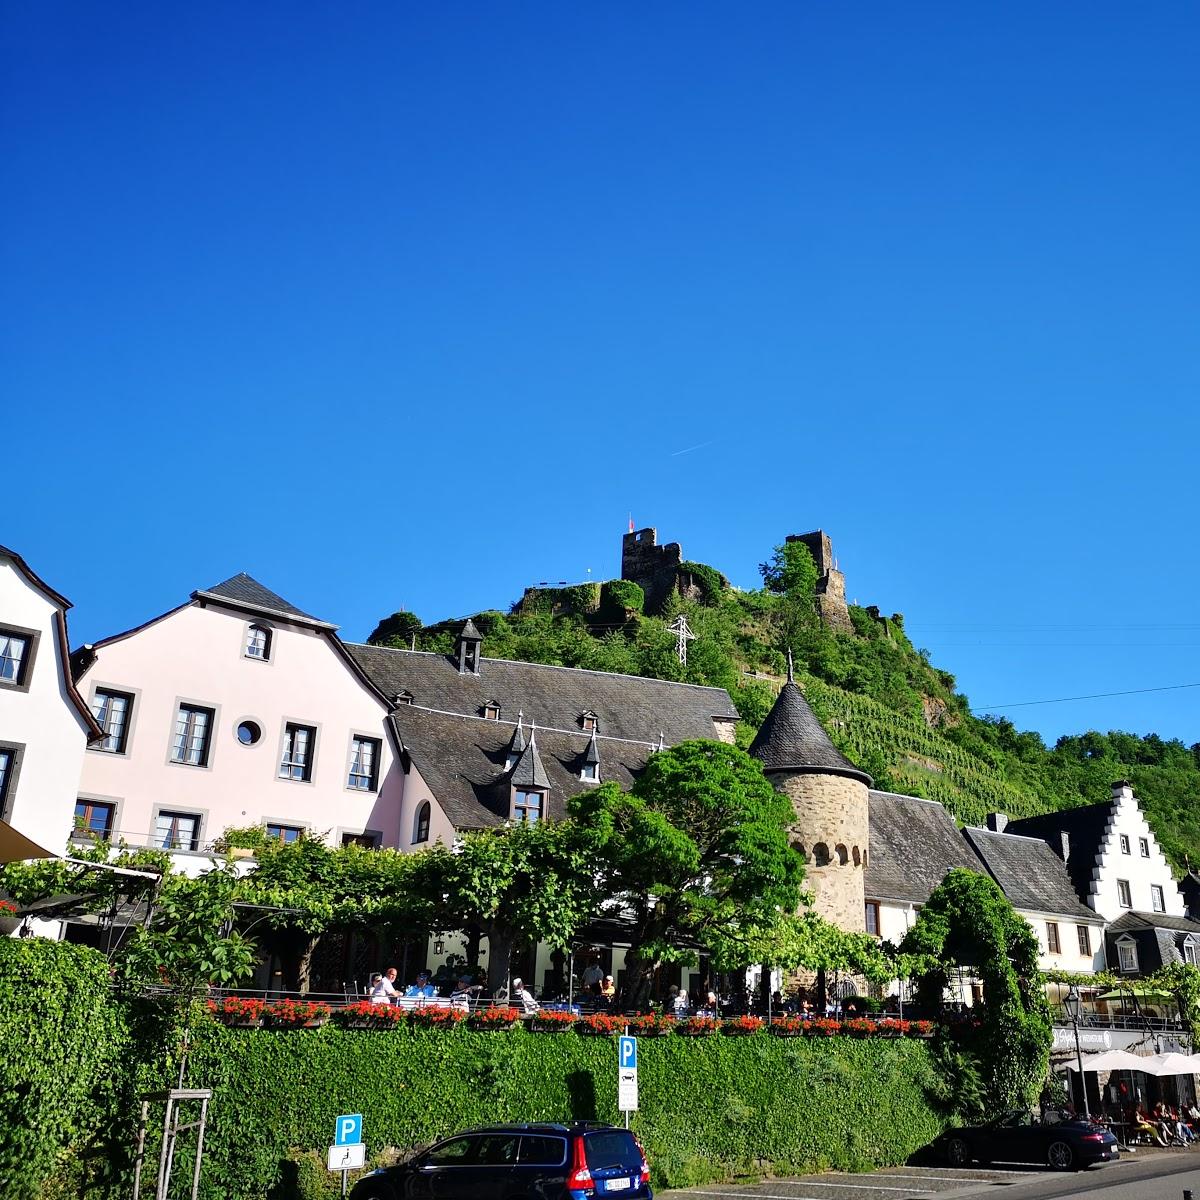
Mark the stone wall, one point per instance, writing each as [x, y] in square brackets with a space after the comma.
[831, 583]
[831, 824]
[652, 567]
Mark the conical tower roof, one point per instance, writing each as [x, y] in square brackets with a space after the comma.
[792, 739]
[470, 632]
[529, 772]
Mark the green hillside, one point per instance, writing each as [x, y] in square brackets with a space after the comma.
[888, 708]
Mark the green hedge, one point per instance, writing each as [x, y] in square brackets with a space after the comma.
[711, 1108]
[61, 1069]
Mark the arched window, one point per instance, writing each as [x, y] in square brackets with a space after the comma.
[258, 642]
[821, 855]
[800, 850]
[421, 824]
[857, 857]
[843, 855]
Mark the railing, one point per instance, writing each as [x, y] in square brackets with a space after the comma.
[1122, 1021]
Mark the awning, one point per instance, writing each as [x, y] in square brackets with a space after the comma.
[1114, 1060]
[1141, 993]
[16, 847]
[1172, 1064]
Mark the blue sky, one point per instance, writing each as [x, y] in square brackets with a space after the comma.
[404, 305]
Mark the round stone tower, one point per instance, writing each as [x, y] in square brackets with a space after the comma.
[830, 802]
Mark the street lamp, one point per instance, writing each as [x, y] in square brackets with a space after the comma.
[1072, 1004]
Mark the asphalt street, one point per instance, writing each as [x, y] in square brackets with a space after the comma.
[1161, 1176]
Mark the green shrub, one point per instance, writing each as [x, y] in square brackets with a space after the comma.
[621, 596]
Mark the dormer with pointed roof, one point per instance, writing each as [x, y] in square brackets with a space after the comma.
[589, 769]
[517, 746]
[467, 648]
[529, 785]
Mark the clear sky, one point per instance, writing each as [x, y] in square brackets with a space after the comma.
[411, 305]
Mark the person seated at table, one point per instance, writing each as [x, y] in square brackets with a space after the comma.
[521, 997]
[1142, 1126]
[1181, 1128]
[463, 992]
[608, 990]
[677, 1002]
[423, 986]
[383, 987]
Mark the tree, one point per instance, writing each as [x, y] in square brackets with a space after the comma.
[698, 851]
[396, 630]
[968, 921]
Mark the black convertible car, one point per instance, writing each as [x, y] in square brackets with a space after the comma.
[1020, 1137]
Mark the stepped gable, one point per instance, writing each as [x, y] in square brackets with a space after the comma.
[243, 591]
[913, 843]
[1029, 873]
[626, 706]
[1086, 827]
[792, 739]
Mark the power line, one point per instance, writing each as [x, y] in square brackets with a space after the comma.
[1173, 687]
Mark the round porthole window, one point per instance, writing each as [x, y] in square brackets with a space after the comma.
[248, 733]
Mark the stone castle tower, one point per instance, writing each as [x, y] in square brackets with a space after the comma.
[829, 800]
[831, 583]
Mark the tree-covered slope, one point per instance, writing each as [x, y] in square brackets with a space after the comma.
[884, 703]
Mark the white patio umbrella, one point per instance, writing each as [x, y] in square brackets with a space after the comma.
[1172, 1064]
[1113, 1060]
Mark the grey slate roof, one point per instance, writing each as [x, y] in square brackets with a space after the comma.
[1086, 827]
[628, 706]
[247, 592]
[470, 632]
[913, 844]
[462, 759]
[1156, 935]
[1127, 922]
[791, 738]
[1028, 871]
[529, 772]
[592, 753]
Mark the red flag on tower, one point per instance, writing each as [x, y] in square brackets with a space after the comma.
[631, 522]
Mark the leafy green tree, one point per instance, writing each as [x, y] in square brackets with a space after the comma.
[396, 630]
[969, 922]
[698, 851]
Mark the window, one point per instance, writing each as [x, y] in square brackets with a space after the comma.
[1085, 940]
[543, 1151]
[14, 657]
[369, 840]
[873, 917]
[590, 772]
[402, 698]
[457, 1150]
[527, 806]
[491, 712]
[1123, 897]
[589, 722]
[1189, 952]
[364, 757]
[177, 831]
[94, 818]
[249, 733]
[1144, 847]
[111, 710]
[299, 745]
[284, 833]
[1053, 946]
[258, 643]
[496, 1149]
[193, 735]
[421, 823]
[1127, 955]
[1157, 901]
[9, 764]
[1125, 843]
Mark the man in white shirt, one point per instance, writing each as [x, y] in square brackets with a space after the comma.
[593, 976]
[524, 997]
[383, 987]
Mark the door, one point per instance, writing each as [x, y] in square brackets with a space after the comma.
[490, 1169]
[1015, 1138]
[439, 1174]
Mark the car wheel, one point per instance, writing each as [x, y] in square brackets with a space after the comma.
[1060, 1156]
[958, 1153]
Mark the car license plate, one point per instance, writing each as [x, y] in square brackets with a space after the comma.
[618, 1185]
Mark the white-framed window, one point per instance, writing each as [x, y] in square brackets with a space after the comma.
[1144, 847]
[111, 710]
[421, 823]
[14, 657]
[491, 711]
[527, 806]
[590, 722]
[299, 745]
[1127, 957]
[1085, 940]
[364, 763]
[1124, 896]
[1157, 900]
[258, 642]
[1125, 843]
[872, 915]
[193, 735]
[1189, 952]
[177, 831]
[1053, 945]
[590, 772]
[284, 833]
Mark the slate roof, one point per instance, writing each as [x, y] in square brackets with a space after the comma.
[470, 632]
[462, 760]
[1156, 935]
[1086, 828]
[628, 706]
[913, 844]
[791, 738]
[247, 592]
[529, 772]
[1130, 921]
[1030, 874]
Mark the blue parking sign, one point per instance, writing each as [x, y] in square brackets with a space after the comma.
[627, 1053]
[348, 1130]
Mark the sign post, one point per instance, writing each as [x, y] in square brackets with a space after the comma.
[347, 1152]
[627, 1081]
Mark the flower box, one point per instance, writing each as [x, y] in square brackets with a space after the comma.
[697, 1027]
[789, 1027]
[296, 1014]
[436, 1016]
[920, 1028]
[822, 1027]
[493, 1018]
[652, 1025]
[365, 1015]
[859, 1027]
[600, 1024]
[741, 1026]
[238, 1012]
[553, 1021]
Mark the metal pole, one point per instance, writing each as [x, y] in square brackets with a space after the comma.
[571, 979]
[345, 1176]
[159, 1191]
[141, 1150]
[627, 1110]
[1087, 1116]
[199, 1147]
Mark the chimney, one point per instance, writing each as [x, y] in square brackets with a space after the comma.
[1063, 849]
[997, 822]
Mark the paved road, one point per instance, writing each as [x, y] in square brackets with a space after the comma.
[1161, 1176]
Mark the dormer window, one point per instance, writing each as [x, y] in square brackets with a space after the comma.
[590, 772]
[258, 642]
[1189, 951]
[402, 698]
[527, 806]
[491, 711]
[589, 722]
[1127, 955]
